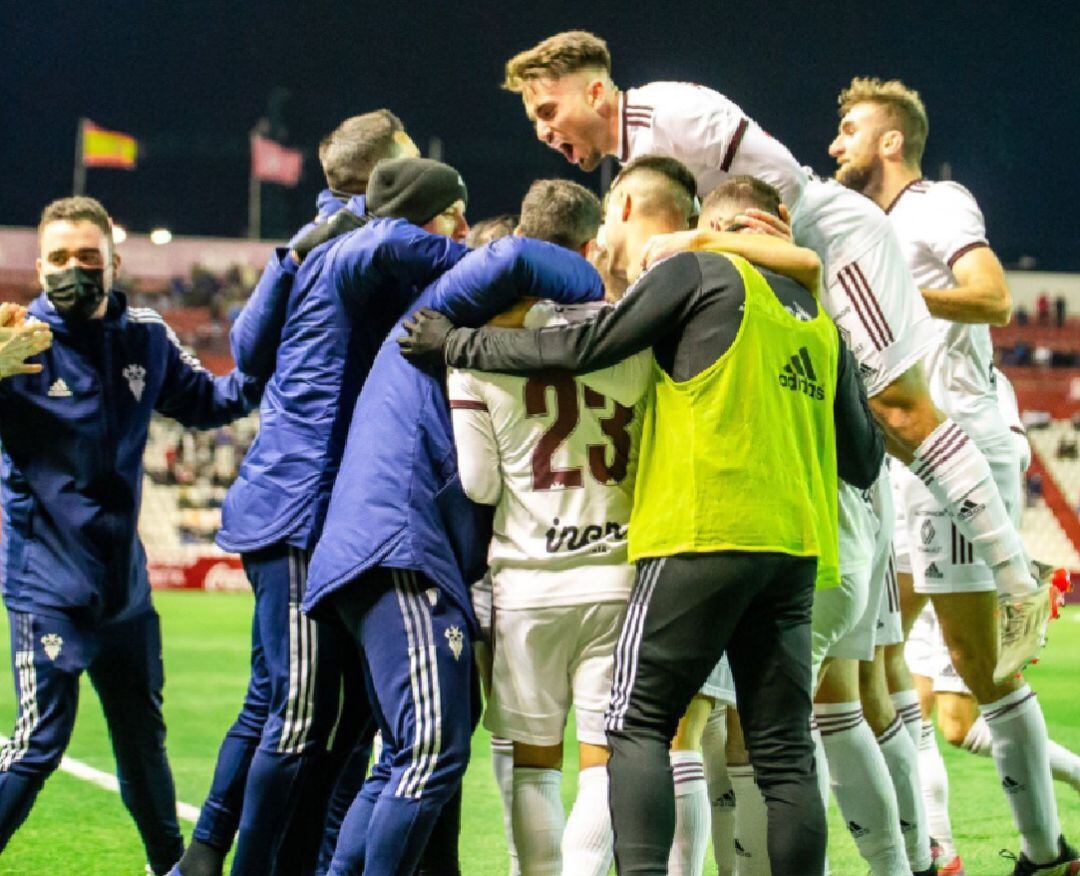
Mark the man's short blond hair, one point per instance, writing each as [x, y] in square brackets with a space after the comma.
[902, 105]
[558, 55]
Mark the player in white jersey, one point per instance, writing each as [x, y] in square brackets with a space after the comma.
[556, 456]
[565, 82]
[879, 150]
[943, 695]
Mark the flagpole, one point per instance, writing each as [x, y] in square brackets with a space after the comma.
[254, 208]
[78, 181]
[254, 194]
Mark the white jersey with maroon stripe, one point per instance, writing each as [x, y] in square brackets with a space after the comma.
[868, 290]
[556, 454]
[870, 293]
[708, 133]
[938, 223]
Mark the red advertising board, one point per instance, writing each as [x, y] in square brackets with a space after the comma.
[211, 571]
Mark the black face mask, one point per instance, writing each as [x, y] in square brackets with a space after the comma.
[76, 293]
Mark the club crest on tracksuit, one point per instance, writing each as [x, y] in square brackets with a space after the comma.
[52, 643]
[136, 378]
[456, 641]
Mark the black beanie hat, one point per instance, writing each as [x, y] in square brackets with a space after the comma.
[414, 189]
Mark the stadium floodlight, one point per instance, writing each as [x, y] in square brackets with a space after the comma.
[160, 236]
[119, 233]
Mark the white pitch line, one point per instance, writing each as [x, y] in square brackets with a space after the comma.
[108, 782]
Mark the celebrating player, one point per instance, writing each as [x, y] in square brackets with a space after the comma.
[556, 456]
[722, 334]
[278, 741]
[565, 83]
[879, 149]
[73, 428]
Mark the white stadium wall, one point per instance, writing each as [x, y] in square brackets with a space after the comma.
[1027, 286]
[142, 259]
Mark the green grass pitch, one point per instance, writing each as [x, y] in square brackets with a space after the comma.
[78, 828]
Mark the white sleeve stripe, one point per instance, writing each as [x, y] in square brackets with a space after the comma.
[146, 315]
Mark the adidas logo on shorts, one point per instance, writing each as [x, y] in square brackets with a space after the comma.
[799, 374]
[932, 571]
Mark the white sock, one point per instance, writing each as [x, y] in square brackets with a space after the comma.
[934, 780]
[860, 781]
[538, 821]
[691, 841]
[721, 794]
[959, 477]
[1019, 747]
[824, 780]
[751, 823]
[588, 843]
[1064, 765]
[502, 763]
[906, 703]
[902, 758]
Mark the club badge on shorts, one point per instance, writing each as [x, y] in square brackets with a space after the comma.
[136, 378]
[52, 644]
[456, 641]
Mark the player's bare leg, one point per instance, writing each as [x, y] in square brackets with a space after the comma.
[858, 770]
[1013, 717]
[691, 793]
[964, 727]
[959, 477]
[898, 677]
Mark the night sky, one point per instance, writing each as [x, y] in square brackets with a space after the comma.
[190, 78]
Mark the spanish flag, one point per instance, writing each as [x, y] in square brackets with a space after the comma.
[102, 148]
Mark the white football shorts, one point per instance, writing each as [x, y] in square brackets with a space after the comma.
[547, 660]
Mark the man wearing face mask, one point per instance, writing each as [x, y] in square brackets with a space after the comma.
[73, 427]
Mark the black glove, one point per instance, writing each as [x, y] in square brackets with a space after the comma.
[342, 222]
[425, 337]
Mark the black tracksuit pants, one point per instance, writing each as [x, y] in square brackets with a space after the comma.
[685, 612]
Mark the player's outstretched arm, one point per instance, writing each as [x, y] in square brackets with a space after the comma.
[493, 278]
[772, 252]
[193, 396]
[643, 315]
[389, 256]
[20, 340]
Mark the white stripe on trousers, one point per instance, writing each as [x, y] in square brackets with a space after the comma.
[424, 683]
[628, 648]
[303, 651]
[27, 721]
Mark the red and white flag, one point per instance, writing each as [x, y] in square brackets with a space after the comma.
[272, 162]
